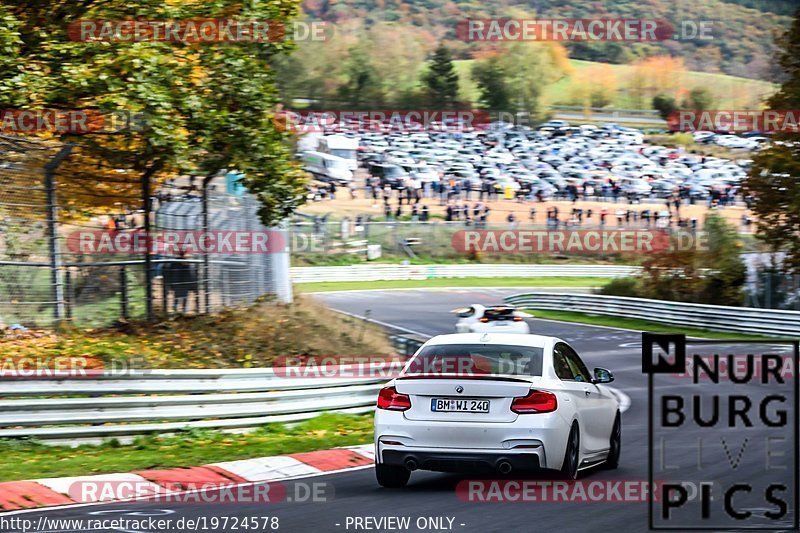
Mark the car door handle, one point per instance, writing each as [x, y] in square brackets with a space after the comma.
[587, 392]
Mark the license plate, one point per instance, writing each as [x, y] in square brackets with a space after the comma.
[459, 405]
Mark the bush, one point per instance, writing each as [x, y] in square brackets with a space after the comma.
[683, 139]
[622, 287]
[714, 275]
[665, 105]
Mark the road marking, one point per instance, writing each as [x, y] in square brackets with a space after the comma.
[384, 324]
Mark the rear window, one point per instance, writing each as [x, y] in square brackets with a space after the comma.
[476, 359]
[499, 313]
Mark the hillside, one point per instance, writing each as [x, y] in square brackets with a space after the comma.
[743, 30]
[729, 92]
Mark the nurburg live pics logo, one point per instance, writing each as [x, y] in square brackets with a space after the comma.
[730, 433]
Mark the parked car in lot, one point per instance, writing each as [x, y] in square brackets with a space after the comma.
[550, 158]
[424, 173]
[495, 403]
[326, 167]
[635, 187]
[393, 175]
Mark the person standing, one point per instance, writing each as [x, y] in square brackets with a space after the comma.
[180, 279]
[424, 213]
[512, 220]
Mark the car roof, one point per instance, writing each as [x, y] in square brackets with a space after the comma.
[513, 339]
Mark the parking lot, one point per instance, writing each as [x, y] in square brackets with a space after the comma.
[606, 175]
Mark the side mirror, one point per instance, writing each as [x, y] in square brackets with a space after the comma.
[601, 375]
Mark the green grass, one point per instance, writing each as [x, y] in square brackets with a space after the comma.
[30, 460]
[426, 259]
[731, 92]
[641, 325]
[451, 282]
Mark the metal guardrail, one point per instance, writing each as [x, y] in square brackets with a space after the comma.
[158, 401]
[721, 318]
[608, 110]
[375, 272]
[406, 346]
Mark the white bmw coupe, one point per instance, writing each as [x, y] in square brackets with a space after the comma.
[480, 402]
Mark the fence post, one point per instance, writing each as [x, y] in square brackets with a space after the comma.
[206, 265]
[56, 274]
[123, 291]
[164, 290]
[68, 292]
[148, 265]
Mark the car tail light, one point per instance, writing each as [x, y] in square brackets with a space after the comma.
[484, 319]
[392, 400]
[517, 319]
[536, 401]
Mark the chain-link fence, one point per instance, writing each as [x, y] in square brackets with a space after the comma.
[76, 249]
[319, 240]
[769, 288]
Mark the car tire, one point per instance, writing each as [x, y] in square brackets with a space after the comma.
[569, 468]
[392, 477]
[615, 445]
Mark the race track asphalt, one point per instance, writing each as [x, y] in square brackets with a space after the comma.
[356, 495]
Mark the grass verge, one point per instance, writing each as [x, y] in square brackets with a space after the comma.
[235, 338]
[31, 460]
[451, 282]
[641, 325]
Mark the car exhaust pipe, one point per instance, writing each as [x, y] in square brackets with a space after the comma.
[411, 464]
[504, 467]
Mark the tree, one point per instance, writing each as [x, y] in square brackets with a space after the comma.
[314, 70]
[700, 99]
[526, 68]
[655, 75]
[774, 179]
[593, 86]
[714, 275]
[441, 79]
[363, 86]
[665, 105]
[398, 54]
[208, 106]
[490, 75]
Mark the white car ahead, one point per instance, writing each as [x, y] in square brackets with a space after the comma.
[495, 403]
[493, 319]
